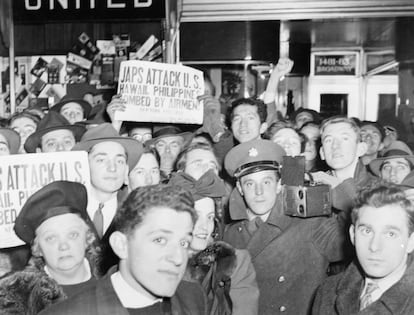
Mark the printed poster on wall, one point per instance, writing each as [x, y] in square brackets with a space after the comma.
[160, 92]
[22, 175]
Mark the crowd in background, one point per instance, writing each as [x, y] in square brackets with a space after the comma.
[188, 219]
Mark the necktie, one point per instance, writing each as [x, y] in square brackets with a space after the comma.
[366, 298]
[98, 220]
[253, 225]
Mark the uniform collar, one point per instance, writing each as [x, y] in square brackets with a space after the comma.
[237, 209]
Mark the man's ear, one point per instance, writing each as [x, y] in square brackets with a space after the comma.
[119, 244]
[381, 146]
[322, 153]
[38, 150]
[126, 177]
[361, 148]
[410, 243]
[263, 127]
[352, 234]
[279, 186]
[239, 187]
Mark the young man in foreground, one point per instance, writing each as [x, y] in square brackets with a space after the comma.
[381, 280]
[153, 230]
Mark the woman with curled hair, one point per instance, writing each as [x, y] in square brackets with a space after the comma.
[55, 223]
[147, 170]
[226, 274]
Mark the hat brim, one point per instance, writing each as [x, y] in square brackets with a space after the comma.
[375, 165]
[133, 148]
[35, 139]
[187, 137]
[13, 139]
[84, 104]
[255, 167]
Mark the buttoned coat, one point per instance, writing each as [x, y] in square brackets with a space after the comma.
[291, 255]
[101, 298]
[340, 295]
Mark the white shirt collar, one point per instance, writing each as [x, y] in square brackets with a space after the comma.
[129, 297]
[385, 283]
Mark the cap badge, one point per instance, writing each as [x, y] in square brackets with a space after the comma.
[253, 152]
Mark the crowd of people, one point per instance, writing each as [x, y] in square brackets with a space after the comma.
[193, 221]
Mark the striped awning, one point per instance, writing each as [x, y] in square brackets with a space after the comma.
[242, 10]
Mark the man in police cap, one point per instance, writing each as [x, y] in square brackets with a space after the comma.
[291, 255]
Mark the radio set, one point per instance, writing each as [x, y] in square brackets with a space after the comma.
[303, 198]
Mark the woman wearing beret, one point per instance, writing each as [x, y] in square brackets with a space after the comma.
[54, 222]
[226, 274]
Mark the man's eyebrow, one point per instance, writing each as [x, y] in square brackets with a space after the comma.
[99, 153]
[387, 227]
[5, 143]
[165, 231]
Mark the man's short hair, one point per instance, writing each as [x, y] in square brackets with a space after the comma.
[182, 157]
[261, 107]
[381, 194]
[143, 199]
[376, 125]
[341, 119]
[276, 126]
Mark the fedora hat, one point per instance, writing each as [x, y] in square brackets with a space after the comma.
[56, 198]
[52, 121]
[84, 104]
[13, 139]
[95, 119]
[397, 149]
[106, 132]
[163, 131]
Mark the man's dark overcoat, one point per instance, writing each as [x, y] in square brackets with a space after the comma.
[291, 255]
[340, 295]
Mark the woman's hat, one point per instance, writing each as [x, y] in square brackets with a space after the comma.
[208, 185]
[106, 132]
[56, 198]
[397, 149]
[51, 122]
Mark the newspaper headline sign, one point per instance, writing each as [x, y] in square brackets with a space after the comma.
[22, 175]
[160, 92]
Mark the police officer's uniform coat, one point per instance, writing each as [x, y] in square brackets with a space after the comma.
[291, 255]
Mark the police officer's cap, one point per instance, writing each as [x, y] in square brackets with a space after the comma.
[56, 198]
[253, 156]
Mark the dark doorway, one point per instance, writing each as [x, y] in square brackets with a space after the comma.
[334, 104]
[387, 106]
